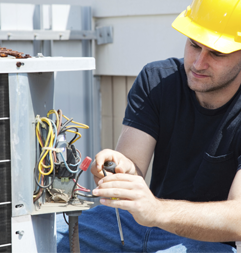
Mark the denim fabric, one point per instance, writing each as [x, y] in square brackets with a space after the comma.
[98, 232]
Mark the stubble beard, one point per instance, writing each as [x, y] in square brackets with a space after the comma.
[213, 85]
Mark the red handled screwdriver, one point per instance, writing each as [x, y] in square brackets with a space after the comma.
[110, 166]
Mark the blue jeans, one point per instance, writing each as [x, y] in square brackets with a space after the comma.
[98, 232]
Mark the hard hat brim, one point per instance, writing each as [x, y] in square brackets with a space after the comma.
[213, 40]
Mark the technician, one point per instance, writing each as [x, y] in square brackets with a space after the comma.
[188, 112]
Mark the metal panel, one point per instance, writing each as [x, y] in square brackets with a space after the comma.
[66, 17]
[46, 64]
[30, 94]
[17, 17]
[90, 90]
[35, 234]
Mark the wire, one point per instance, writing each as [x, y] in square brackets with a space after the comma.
[77, 123]
[81, 188]
[60, 119]
[86, 195]
[56, 114]
[47, 132]
[74, 191]
[67, 167]
[50, 140]
[66, 123]
[67, 129]
[36, 179]
[65, 219]
[45, 154]
[76, 181]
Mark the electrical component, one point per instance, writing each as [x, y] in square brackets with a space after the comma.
[59, 164]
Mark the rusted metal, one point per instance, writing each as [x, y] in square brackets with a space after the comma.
[4, 52]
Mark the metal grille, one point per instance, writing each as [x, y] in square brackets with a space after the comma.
[5, 167]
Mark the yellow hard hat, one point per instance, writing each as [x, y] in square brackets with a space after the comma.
[213, 23]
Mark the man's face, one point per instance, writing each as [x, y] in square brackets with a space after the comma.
[208, 70]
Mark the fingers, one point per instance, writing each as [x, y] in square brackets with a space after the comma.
[116, 185]
[97, 165]
[123, 177]
[103, 156]
[115, 193]
[122, 204]
[122, 186]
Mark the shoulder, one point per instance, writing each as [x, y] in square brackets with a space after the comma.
[168, 66]
[166, 73]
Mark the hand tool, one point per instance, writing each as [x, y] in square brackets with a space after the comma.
[110, 166]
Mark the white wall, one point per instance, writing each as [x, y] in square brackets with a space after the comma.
[142, 33]
[137, 41]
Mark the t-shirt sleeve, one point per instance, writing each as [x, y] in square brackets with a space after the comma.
[142, 110]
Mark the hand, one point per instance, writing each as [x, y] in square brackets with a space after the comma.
[123, 164]
[133, 195]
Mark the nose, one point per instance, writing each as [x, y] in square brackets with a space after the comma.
[201, 61]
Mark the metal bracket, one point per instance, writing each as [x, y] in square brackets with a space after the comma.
[102, 35]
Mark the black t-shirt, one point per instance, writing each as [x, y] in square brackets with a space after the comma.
[197, 151]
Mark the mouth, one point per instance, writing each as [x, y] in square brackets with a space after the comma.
[196, 75]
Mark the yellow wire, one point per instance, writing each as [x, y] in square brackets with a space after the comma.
[81, 125]
[50, 139]
[71, 131]
[56, 114]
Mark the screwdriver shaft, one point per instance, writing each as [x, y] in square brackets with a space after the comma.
[119, 225]
[118, 218]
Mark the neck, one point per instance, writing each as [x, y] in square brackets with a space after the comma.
[216, 99]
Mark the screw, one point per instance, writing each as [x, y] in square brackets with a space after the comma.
[19, 206]
[19, 64]
[20, 232]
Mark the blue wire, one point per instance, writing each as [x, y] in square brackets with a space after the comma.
[55, 130]
[77, 164]
[67, 167]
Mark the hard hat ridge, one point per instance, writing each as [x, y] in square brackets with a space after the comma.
[213, 23]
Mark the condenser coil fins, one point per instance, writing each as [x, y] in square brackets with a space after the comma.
[5, 167]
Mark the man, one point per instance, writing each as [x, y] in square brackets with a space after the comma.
[189, 114]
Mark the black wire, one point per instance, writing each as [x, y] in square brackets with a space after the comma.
[76, 181]
[65, 219]
[66, 123]
[79, 193]
[65, 129]
[86, 195]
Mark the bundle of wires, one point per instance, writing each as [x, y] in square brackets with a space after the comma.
[47, 133]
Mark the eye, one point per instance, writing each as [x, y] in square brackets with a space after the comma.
[194, 45]
[217, 54]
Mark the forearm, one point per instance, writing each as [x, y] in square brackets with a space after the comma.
[138, 147]
[210, 221]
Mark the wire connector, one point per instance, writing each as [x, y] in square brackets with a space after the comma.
[86, 163]
[57, 150]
